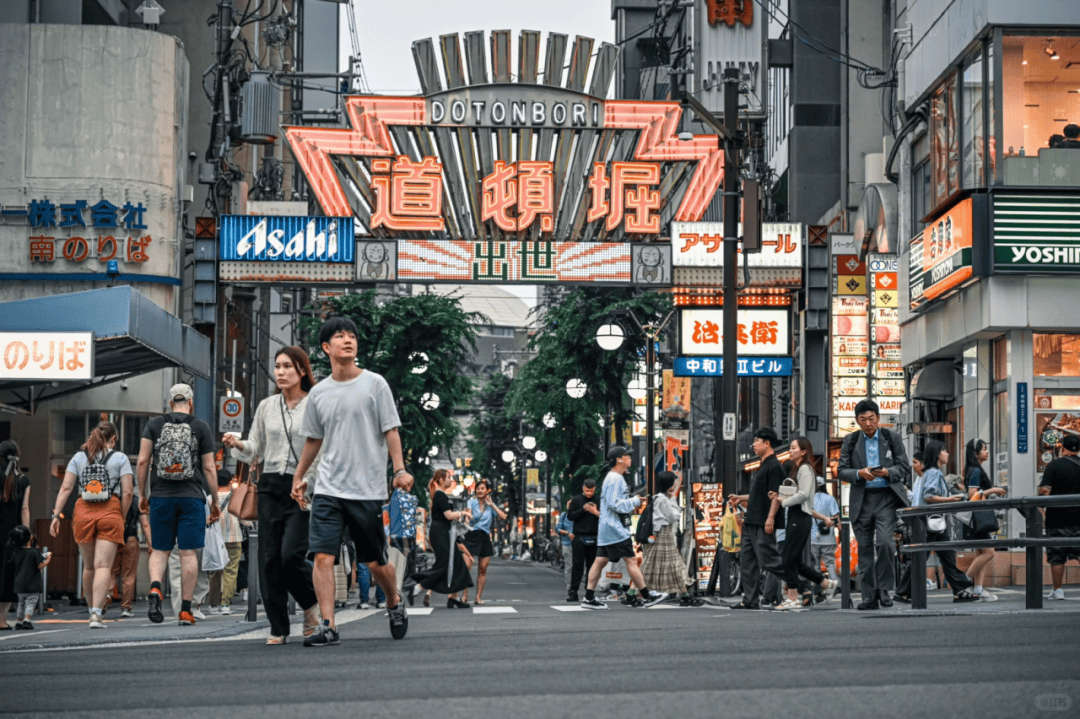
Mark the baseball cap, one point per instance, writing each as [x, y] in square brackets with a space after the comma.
[1071, 442]
[617, 451]
[821, 481]
[181, 393]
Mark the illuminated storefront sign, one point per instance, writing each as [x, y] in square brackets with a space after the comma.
[887, 382]
[747, 366]
[940, 257]
[701, 244]
[761, 332]
[47, 356]
[286, 239]
[1036, 233]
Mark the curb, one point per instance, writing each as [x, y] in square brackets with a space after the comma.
[222, 633]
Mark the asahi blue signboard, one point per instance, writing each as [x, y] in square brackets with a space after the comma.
[257, 238]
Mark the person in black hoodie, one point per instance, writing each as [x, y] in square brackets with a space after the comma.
[584, 512]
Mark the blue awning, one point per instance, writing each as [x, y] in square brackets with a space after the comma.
[132, 334]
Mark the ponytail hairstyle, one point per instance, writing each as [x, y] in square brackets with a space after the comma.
[101, 436]
[9, 466]
[436, 482]
[971, 459]
[18, 537]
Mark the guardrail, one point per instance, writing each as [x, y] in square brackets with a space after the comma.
[1032, 540]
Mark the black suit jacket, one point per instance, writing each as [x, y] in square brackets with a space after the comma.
[893, 457]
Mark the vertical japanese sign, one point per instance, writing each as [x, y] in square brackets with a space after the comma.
[675, 405]
[850, 334]
[1021, 417]
[708, 510]
[887, 384]
[47, 356]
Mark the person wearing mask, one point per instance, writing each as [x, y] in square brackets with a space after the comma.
[874, 463]
[482, 511]
[450, 572]
[979, 486]
[564, 530]
[275, 440]
[662, 565]
[757, 551]
[1062, 476]
[613, 540]
[800, 511]
[584, 512]
[14, 512]
[930, 489]
[103, 478]
[822, 536]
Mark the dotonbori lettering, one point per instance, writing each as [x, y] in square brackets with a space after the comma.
[512, 112]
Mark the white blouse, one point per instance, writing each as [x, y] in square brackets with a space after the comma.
[275, 438]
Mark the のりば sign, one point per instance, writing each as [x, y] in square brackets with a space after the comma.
[47, 356]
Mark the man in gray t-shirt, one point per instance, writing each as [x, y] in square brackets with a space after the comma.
[351, 418]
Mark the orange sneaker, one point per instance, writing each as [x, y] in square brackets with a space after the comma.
[186, 619]
[153, 601]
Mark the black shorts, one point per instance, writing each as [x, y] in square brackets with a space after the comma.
[331, 516]
[617, 551]
[1061, 555]
[478, 542]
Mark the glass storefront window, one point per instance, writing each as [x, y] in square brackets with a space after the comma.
[972, 114]
[944, 142]
[1001, 359]
[1056, 355]
[992, 151]
[1040, 99]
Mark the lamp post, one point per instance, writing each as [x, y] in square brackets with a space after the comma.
[521, 451]
[610, 337]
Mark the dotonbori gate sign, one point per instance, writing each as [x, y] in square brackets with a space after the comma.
[522, 170]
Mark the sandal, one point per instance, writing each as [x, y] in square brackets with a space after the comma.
[274, 640]
[479, 603]
[789, 604]
[808, 599]
[965, 596]
[427, 600]
[311, 619]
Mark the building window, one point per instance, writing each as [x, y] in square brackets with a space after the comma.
[973, 107]
[499, 331]
[1056, 355]
[1040, 98]
[944, 142]
[1001, 359]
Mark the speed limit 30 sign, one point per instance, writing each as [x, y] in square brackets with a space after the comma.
[231, 414]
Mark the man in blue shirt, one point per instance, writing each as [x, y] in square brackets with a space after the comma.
[565, 530]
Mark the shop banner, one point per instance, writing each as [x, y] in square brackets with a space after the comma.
[887, 377]
[1036, 233]
[747, 366]
[701, 244]
[941, 256]
[47, 356]
[675, 405]
[708, 511]
[760, 332]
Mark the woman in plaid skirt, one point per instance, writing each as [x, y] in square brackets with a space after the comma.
[663, 567]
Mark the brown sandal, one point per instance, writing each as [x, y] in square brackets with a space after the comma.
[274, 640]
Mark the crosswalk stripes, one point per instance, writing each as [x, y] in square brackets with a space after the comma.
[494, 610]
[569, 608]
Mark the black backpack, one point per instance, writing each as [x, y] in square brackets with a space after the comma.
[95, 484]
[644, 525]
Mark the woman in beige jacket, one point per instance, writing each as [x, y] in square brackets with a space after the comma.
[800, 510]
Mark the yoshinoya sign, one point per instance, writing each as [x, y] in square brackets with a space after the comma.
[1036, 233]
[761, 332]
[47, 356]
[941, 256]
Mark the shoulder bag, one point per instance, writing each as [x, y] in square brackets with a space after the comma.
[244, 501]
[309, 488]
[983, 521]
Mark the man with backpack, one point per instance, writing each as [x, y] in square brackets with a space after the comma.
[181, 450]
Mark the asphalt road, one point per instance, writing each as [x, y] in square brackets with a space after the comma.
[524, 657]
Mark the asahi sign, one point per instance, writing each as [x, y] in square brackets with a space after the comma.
[1036, 233]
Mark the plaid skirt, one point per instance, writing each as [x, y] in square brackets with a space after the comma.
[663, 567]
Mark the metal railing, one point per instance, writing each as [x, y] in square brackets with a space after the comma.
[1032, 540]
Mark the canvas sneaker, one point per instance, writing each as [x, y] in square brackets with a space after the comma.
[399, 620]
[213, 609]
[225, 609]
[1056, 594]
[95, 621]
[153, 601]
[324, 636]
[126, 613]
[186, 619]
[655, 598]
[197, 613]
[593, 604]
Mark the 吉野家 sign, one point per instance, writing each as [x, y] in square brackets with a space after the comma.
[47, 356]
[761, 332]
[747, 366]
[940, 258]
[1036, 233]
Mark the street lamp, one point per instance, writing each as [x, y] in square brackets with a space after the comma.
[610, 337]
[421, 360]
[636, 389]
[430, 401]
[433, 452]
[528, 443]
[576, 388]
[550, 421]
[508, 456]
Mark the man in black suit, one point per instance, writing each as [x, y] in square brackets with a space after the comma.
[874, 463]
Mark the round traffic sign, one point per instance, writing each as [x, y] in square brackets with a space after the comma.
[232, 408]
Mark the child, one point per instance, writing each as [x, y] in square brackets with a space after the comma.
[27, 562]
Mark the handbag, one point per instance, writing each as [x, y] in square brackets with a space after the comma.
[983, 521]
[730, 537]
[788, 488]
[244, 501]
[309, 487]
[935, 523]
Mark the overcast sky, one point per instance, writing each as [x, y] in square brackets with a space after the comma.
[386, 30]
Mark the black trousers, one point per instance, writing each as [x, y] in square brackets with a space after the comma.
[283, 547]
[757, 553]
[874, 529]
[584, 556]
[958, 581]
[796, 537]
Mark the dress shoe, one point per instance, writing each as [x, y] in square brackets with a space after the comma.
[884, 599]
[572, 597]
[872, 604]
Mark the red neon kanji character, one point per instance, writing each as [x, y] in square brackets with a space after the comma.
[599, 184]
[16, 355]
[536, 195]
[744, 338]
[624, 174]
[411, 199]
[645, 203]
[763, 333]
[103, 242]
[39, 357]
[500, 194]
[706, 333]
[76, 249]
[73, 362]
[136, 248]
[42, 249]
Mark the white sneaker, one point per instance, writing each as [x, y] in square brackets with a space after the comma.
[125, 613]
[95, 622]
[225, 609]
[197, 613]
[213, 609]
[655, 598]
[930, 584]
[985, 596]
[1056, 594]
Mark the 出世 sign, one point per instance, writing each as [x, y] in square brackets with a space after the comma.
[747, 366]
[47, 356]
[940, 258]
[761, 332]
[1036, 233]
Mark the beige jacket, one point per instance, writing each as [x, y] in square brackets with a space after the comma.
[804, 496]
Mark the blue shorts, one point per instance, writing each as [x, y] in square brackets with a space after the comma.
[177, 520]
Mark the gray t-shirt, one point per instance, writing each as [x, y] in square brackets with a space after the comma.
[351, 418]
[118, 465]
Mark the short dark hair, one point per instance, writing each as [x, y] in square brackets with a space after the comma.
[664, 481]
[767, 434]
[867, 405]
[1055, 139]
[1071, 442]
[918, 456]
[1072, 131]
[334, 325]
[589, 483]
[224, 476]
[485, 482]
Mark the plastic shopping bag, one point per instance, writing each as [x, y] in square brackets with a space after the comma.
[215, 556]
[730, 537]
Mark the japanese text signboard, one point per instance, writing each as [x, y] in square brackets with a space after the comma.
[887, 383]
[61, 231]
[47, 356]
[940, 258]
[1036, 233]
[764, 332]
[701, 244]
[747, 366]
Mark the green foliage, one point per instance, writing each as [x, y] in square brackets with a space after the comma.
[392, 335]
[493, 431]
[566, 349]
